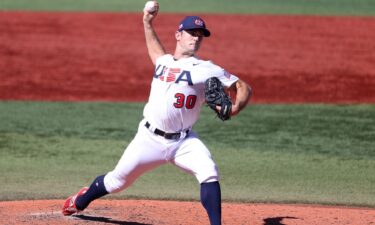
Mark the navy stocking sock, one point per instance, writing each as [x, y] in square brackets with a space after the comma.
[211, 201]
[96, 190]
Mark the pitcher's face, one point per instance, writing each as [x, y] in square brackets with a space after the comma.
[190, 40]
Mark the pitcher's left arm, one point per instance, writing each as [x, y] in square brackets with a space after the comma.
[241, 93]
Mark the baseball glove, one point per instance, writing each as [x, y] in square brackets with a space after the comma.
[216, 96]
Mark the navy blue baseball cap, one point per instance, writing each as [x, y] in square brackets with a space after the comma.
[194, 22]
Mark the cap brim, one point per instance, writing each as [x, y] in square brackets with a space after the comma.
[206, 32]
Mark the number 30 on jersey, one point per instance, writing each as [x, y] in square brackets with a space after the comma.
[185, 101]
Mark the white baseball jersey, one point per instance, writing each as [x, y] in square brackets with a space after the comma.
[176, 98]
[177, 91]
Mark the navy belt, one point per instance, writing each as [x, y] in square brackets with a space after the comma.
[173, 136]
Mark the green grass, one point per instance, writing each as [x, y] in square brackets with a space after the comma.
[312, 7]
[270, 153]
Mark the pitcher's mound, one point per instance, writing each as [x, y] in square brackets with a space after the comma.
[141, 212]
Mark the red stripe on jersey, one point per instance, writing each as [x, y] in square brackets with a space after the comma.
[171, 77]
[174, 70]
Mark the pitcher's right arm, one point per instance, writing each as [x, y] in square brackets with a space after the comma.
[154, 46]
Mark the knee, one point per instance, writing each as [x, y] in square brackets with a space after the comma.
[114, 183]
[209, 179]
[208, 176]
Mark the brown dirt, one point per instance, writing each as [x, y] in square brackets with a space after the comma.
[188, 213]
[102, 56]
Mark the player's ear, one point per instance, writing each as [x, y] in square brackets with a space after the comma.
[178, 35]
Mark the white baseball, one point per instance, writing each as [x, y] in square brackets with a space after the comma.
[150, 6]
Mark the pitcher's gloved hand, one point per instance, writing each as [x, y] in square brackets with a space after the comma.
[216, 96]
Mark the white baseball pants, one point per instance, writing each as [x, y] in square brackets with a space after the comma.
[148, 150]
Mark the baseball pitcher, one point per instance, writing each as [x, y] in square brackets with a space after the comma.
[181, 84]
